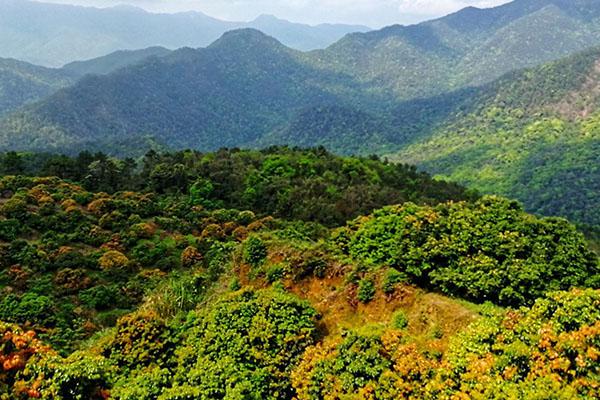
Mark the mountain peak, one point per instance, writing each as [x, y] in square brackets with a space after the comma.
[246, 38]
[267, 18]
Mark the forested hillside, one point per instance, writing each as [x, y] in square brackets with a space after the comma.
[386, 87]
[22, 83]
[533, 135]
[229, 94]
[470, 47]
[113, 61]
[170, 293]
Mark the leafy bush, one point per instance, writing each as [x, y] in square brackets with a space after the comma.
[400, 320]
[366, 290]
[79, 377]
[113, 259]
[245, 345]
[101, 297]
[255, 251]
[488, 250]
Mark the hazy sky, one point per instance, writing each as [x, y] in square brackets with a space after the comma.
[375, 13]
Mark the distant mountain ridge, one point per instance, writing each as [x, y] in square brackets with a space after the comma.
[22, 83]
[55, 34]
[468, 48]
[114, 61]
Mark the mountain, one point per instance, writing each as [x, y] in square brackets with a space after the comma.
[395, 84]
[230, 94]
[22, 83]
[407, 91]
[470, 47]
[113, 61]
[534, 135]
[54, 35]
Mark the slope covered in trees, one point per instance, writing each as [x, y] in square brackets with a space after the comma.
[114, 61]
[163, 295]
[470, 47]
[376, 80]
[289, 183]
[22, 83]
[530, 134]
[533, 135]
[229, 94]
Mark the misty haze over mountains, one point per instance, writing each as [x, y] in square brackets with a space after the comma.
[54, 34]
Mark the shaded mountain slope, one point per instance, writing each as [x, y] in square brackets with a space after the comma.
[22, 83]
[534, 135]
[113, 61]
[229, 94]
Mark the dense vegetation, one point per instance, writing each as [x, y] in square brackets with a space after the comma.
[295, 274]
[530, 135]
[310, 185]
[249, 89]
[488, 250]
[22, 83]
[170, 293]
[533, 135]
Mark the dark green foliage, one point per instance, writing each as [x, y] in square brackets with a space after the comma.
[400, 320]
[22, 83]
[247, 89]
[309, 185]
[101, 297]
[489, 250]
[366, 290]
[255, 251]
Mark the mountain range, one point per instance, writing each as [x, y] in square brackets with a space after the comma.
[449, 95]
[55, 34]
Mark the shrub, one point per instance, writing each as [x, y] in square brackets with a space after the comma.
[488, 250]
[400, 320]
[255, 251]
[392, 279]
[366, 290]
[191, 257]
[245, 346]
[79, 377]
[10, 229]
[101, 297]
[15, 207]
[275, 273]
[30, 308]
[140, 339]
[113, 260]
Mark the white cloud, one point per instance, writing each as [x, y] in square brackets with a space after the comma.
[375, 13]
